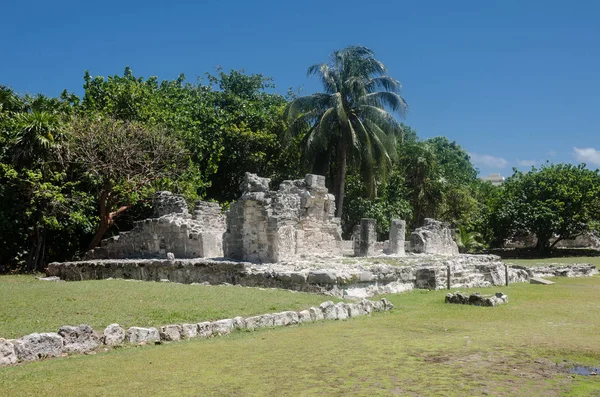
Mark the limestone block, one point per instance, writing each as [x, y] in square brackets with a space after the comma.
[329, 310]
[171, 332]
[37, 346]
[341, 311]
[378, 306]
[368, 237]
[280, 319]
[254, 183]
[539, 280]
[266, 320]
[315, 181]
[189, 331]
[316, 314]
[114, 335]
[367, 306]
[321, 277]
[239, 323]
[8, 355]
[355, 310]
[205, 329]
[79, 339]
[434, 237]
[397, 235]
[222, 327]
[137, 335]
[304, 316]
[165, 203]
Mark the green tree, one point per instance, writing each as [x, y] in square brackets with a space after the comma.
[349, 123]
[559, 200]
[125, 162]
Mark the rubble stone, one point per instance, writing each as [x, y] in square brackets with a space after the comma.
[138, 335]
[114, 335]
[38, 346]
[434, 237]
[79, 339]
[8, 355]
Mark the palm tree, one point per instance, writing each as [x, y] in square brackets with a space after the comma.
[38, 134]
[349, 123]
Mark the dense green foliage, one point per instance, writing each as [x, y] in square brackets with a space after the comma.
[559, 201]
[73, 171]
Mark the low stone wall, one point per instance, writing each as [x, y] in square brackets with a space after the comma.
[331, 276]
[560, 270]
[477, 299]
[83, 339]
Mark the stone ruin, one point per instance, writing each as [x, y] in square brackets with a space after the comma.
[434, 237]
[296, 221]
[172, 230]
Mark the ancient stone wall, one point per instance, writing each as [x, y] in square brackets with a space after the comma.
[296, 221]
[174, 231]
[434, 237]
[357, 280]
[83, 339]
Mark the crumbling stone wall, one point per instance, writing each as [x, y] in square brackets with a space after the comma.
[434, 237]
[296, 221]
[173, 230]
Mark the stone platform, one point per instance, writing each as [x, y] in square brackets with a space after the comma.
[342, 277]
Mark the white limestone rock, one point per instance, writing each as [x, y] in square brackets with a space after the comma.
[316, 314]
[171, 332]
[304, 317]
[205, 329]
[38, 346]
[79, 339]
[222, 327]
[341, 311]
[239, 323]
[114, 335]
[329, 310]
[137, 335]
[189, 331]
[8, 355]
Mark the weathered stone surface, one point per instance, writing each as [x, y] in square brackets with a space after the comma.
[378, 306]
[477, 299]
[79, 339]
[341, 311]
[367, 237]
[559, 270]
[239, 323]
[387, 305]
[173, 233]
[139, 335]
[304, 316]
[189, 331]
[222, 327]
[54, 278]
[114, 335]
[434, 237]
[539, 280]
[316, 314]
[329, 310]
[366, 306]
[397, 236]
[293, 222]
[39, 345]
[171, 332]
[360, 279]
[205, 329]
[8, 355]
[285, 318]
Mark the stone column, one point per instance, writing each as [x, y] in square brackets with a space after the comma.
[397, 233]
[368, 237]
[356, 240]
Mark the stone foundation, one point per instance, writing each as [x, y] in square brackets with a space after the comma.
[332, 277]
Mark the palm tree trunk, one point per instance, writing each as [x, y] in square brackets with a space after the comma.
[340, 182]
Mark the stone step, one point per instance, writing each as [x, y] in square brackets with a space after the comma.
[539, 280]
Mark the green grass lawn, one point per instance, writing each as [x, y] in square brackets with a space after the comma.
[28, 305]
[422, 348]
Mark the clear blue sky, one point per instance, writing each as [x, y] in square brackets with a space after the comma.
[513, 82]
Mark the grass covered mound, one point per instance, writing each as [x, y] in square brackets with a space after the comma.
[28, 305]
[423, 347]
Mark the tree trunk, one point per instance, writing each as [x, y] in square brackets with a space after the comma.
[340, 182]
[107, 219]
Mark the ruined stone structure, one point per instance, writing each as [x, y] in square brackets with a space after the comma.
[434, 237]
[589, 240]
[172, 231]
[397, 233]
[477, 299]
[296, 221]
